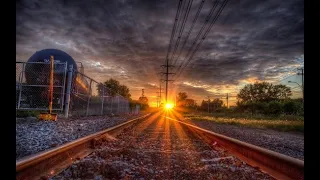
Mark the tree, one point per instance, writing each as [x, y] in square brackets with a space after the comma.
[213, 106]
[263, 92]
[101, 90]
[124, 91]
[182, 96]
[113, 88]
[216, 104]
[204, 105]
[189, 102]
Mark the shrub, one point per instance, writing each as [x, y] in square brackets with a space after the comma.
[290, 107]
[274, 108]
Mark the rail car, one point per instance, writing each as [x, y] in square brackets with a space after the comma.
[37, 76]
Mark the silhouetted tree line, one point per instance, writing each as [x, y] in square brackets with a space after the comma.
[215, 105]
[266, 98]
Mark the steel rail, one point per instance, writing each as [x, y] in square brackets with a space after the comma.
[277, 165]
[50, 162]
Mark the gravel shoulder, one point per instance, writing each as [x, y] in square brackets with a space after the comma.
[288, 143]
[33, 136]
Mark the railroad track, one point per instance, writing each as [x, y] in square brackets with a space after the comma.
[162, 148]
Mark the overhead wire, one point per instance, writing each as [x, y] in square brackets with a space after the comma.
[189, 32]
[174, 29]
[183, 23]
[204, 36]
[200, 32]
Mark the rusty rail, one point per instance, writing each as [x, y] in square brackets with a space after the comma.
[277, 165]
[52, 161]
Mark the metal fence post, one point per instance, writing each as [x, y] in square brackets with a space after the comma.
[121, 105]
[20, 84]
[89, 97]
[63, 85]
[111, 103]
[68, 92]
[128, 106]
[102, 99]
[118, 104]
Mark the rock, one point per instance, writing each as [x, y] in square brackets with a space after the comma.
[150, 171]
[99, 177]
[54, 145]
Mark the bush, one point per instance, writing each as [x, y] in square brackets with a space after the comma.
[273, 107]
[290, 107]
[222, 109]
[255, 107]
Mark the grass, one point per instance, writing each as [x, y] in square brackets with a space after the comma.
[26, 113]
[251, 116]
[272, 123]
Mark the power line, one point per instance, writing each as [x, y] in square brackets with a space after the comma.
[174, 29]
[202, 28]
[205, 34]
[182, 27]
[192, 25]
[169, 48]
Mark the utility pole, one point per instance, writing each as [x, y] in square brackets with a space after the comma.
[175, 100]
[159, 98]
[160, 89]
[302, 85]
[167, 73]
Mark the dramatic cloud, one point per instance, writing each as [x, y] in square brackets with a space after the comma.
[128, 40]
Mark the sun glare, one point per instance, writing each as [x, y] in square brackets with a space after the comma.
[169, 106]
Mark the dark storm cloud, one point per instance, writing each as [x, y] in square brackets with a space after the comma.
[128, 40]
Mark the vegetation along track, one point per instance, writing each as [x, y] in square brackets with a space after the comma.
[161, 147]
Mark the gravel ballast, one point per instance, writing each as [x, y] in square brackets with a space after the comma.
[288, 143]
[159, 148]
[33, 136]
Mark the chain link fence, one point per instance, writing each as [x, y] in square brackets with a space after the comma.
[73, 92]
[32, 85]
[89, 97]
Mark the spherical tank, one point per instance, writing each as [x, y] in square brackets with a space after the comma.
[37, 69]
[59, 56]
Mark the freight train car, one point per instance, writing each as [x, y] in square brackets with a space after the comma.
[37, 76]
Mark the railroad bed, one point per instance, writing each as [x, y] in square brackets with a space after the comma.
[159, 148]
[33, 136]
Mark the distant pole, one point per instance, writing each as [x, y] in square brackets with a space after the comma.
[102, 100]
[208, 104]
[175, 101]
[227, 101]
[160, 94]
[302, 84]
[167, 76]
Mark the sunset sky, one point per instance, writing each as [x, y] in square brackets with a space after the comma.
[128, 40]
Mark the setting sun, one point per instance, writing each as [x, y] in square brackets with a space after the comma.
[169, 106]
